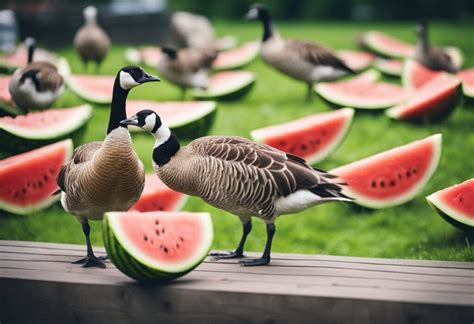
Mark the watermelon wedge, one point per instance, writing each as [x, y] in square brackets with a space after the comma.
[93, 88]
[392, 177]
[187, 119]
[7, 106]
[157, 246]
[456, 205]
[385, 45]
[36, 129]
[156, 196]
[456, 55]
[237, 57]
[433, 101]
[19, 59]
[391, 67]
[356, 60]
[313, 138]
[362, 91]
[28, 179]
[226, 85]
[415, 75]
[467, 77]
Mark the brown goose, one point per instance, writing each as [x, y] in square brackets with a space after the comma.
[242, 177]
[301, 60]
[434, 58]
[91, 41]
[188, 67]
[36, 86]
[105, 176]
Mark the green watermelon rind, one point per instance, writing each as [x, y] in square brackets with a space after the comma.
[452, 216]
[456, 55]
[230, 93]
[336, 98]
[468, 91]
[380, 65]
[372, 45]
[43, 204]
[128, 260]
[335, 143]
[251, 55]
[410, 194]
[85, 94]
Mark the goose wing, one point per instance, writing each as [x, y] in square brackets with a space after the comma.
[48, 76]
[195, 59]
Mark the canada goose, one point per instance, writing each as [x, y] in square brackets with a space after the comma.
[196, 31]
[91, 41]
[37, 85]
[434, 58]
[301, 60]
[187, 67]
[105, 176]
[240, 176]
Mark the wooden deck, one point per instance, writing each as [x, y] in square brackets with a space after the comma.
[38, 284]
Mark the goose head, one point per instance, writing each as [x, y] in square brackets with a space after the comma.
[145, 119]
[258, 11]
[422, 29]
[30, 44]
[132, 76]
[170, 52]
[90, 14]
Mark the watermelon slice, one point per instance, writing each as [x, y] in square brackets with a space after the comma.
[157, 196]
[7, 106]
[356, 60]
[391, 67]
[415, 75]
[434, 101]
[362, 92]
[238, 57]
[187, 119]
[157, 246]
[10, 62]
[36, 129]
[392, 177]
[28, 179]
[386, 45]
[456, 205]
[313, 138]
[227, 85]
[467, 77]
[93, 88]
[456, 55]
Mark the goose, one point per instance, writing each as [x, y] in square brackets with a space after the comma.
[433, 58]
[91, 41]
[301, 60]
[105, 176]
[187, 67]
[36, 86]
[239, 176]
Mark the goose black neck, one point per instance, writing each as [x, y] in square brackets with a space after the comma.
[117, 109]
[31, 51]
[163, 153]
[267, 26]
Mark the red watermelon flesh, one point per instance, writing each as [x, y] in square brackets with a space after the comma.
[389, 66]
[456, 202]
[237, 57]
[415, 75]
[356, 60]
[28, 179]
[95, 88]
[4, 93]
[313, 138]
[435, 100]
[392, 177]
[20, 57]
[157, 196]
[387, 45]
[467, 77]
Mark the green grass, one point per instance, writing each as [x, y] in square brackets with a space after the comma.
[410, 231]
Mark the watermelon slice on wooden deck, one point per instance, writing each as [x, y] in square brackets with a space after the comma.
[386, 45]
[392, 177]
[362, 91]
[93, 88]
[227, 85]
[157, 246]
[313, 137]
[391, 67]
[433, 101]
[187, 119]
[467, 77]
[156, 196]
[28, 179]
[456, 205]
[356, 60]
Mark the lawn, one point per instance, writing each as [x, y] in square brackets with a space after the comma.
[412, 230]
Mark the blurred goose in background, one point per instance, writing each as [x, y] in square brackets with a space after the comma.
[36, 86]
[91, 41]
[433, 58]
[196, 31]
[105, 176]
[240, 176]
[187, 67]
[301, 60]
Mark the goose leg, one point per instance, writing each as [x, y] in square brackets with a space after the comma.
[90, 260]
[265, 259]
[309, 97]
[239, 252]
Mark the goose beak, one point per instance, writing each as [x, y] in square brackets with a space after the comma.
[133, 121]
[148, 78]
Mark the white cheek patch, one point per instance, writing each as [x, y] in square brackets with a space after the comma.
[127, 82]
[150, 122]
[253, 13]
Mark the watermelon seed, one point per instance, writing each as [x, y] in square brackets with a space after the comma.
[303, 147]
[177, 244]
[374, 184]
[415, 170]
[51, 171]
[157, 222]
[160, 209]
[157, 232]
[317, 142]
[163, 230]
[151, 241]
[283, 143]
[145, 238]
[382, 184]
[408, 174]
[400, 176]
[460, 199]
[40, 184]
[23, 191]
[392, 183]
[45, 177]
[181, 239]
[165, 249]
